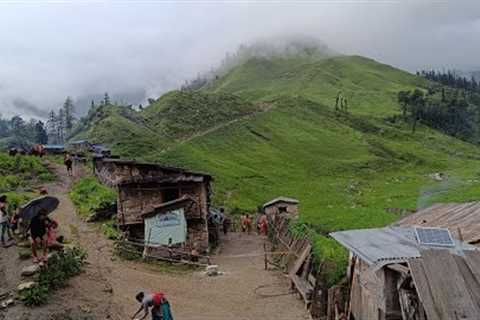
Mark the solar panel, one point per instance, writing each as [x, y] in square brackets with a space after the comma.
[434, 237]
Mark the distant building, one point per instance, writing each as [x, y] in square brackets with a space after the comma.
[54, 148]
[152, 197]
[79, 146]
[100, 150]
[411, 273]
[281, 205]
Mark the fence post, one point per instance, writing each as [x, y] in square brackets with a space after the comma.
[265, 255]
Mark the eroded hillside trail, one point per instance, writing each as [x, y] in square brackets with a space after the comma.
[107, 288]
[263, 107]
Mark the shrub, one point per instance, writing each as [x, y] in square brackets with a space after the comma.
[35, 296]
[89, 195]
[19, 172]
[61, 266]
[110, 231]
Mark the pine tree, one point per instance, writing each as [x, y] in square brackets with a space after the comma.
[106, 99]
[19, 132]
[337, 100]
[52, 127]
[40, 133]
[68, 111]
[60, 126]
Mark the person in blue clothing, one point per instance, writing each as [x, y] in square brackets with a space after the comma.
[160, 307]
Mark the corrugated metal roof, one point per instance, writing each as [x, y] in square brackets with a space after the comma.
[281, 199]
[387, 244]
[453, 216]
[54, 146]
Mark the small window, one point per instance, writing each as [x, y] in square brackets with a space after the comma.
[282, 209]
[170, 194]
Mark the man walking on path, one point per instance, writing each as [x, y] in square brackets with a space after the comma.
[4, 221]
[159, 304]
[68, 161]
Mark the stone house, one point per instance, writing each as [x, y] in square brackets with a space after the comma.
[281, 205]
[147, 191]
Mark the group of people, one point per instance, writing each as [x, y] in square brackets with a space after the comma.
[41, 230]
[246, 224]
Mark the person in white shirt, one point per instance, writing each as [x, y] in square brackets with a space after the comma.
[4, 221]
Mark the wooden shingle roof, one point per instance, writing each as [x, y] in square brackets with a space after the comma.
[453, 216]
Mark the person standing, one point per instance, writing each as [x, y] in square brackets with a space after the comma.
[160, 307]
[4, 221]
[243, 224]
[263, 224]
[38, 232]
[248, 224]
[68, 161]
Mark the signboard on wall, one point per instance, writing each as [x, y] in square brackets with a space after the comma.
[167, 228]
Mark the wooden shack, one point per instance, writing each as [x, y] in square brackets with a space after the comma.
[54, 149]
[79, 147]
[146, 190]
[462, 219]
[393, 276]
[281, 205]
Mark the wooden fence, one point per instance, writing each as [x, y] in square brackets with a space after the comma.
[308, 278]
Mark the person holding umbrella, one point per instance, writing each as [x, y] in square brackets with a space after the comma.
[38, 233]
[36, 212]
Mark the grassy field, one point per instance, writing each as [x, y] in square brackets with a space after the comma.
[21, 172]
[89, 195]
[19, 177]
[349, 170]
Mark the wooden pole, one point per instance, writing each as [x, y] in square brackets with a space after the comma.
[352, 287]
[460, 235]
[265, 255]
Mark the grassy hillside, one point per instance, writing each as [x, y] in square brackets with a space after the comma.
[122, 128]
[346, 170]
[349, 170]
[175, 116]
[180, 114]
[370, 87]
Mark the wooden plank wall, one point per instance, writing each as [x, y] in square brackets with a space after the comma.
[299, 264]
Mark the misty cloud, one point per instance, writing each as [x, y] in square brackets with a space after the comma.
[24, 107]
[140, 49]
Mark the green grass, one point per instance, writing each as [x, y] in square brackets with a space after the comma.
[179, 114]
[346, 169]
[89, 195]
[21, 172]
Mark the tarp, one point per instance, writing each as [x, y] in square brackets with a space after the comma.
[166, 228]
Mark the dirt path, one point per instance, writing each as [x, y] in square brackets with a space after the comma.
[107, 288]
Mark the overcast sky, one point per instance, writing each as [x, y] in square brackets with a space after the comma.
[51, 49]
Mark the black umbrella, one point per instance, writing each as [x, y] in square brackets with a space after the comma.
[32, 208]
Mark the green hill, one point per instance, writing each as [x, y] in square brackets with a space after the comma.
[175, 116]
[269, 128]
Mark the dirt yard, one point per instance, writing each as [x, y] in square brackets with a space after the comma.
[107, 288]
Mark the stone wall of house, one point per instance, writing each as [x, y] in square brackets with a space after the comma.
[274, 209]
[134, 200]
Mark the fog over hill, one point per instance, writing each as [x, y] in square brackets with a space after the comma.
[136, 50]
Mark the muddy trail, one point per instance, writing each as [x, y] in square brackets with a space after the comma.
[106, 290]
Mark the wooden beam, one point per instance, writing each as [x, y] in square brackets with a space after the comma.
[399, 268]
